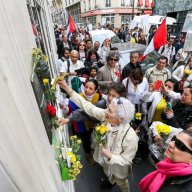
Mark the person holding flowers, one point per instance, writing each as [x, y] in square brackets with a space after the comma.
[121, 140]
[174, 173]
[183, 74]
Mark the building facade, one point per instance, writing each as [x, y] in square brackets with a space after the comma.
[177, 9]
[115, 12]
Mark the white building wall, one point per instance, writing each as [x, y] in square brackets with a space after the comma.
[26, 157]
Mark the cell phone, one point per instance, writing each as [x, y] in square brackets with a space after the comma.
[157, 85]
[169, 106]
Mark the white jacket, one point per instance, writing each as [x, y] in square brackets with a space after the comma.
[178, 74]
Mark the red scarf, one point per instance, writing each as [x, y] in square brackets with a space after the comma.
[153, 181]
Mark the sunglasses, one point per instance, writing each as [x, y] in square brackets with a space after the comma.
[180, 145]
[111, 59]
[82, 45]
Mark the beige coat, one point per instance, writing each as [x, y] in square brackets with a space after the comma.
[126, 144]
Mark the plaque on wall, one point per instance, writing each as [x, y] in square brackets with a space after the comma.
[42, 103]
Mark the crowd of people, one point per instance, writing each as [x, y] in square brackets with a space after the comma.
[99, 90]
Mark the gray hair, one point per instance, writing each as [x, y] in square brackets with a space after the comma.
[113, 54]
[125, 109]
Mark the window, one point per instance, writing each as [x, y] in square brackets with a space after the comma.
[89, 4]
[108, 3]
[122, 3]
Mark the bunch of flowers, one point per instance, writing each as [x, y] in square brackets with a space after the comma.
[39, 61]
[100, 134]
[52, 112]
[49, 93]
[69, 163]
[75, 143]
[138, 116]
[163, 130]
[186, 73]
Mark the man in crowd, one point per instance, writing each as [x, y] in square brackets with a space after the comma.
[71, 65]
[168, 50]
[64, 43]
[158, 72]
[134, 57]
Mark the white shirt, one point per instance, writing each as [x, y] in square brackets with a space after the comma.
[167, 52]
[134, 95]
[72, 68]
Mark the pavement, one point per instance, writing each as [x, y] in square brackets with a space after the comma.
[90, 178]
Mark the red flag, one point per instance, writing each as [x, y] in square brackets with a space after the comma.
[159, 39]
[152, 3]
[70, 26]
[140, 3]
[146, 3]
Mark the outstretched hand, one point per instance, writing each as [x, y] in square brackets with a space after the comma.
[62, 121]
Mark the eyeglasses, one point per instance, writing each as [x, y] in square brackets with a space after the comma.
[112, 59]
[180, 145]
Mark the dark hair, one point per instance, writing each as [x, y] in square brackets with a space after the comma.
[175, 88]
[114, 49]
[189, 133]
[119, 88]
[94, 67]
[163, 57]
[66, 49]
[85, 50]
[137, 74]
[88, 41]
[95, 82]
[190, 58]
[189, 87]
[91, 52]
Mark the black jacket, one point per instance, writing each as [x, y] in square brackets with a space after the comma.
[177, 184]
[182, 116]
[60, 48]
[128, 68]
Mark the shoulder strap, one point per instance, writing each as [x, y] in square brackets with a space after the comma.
[163, 49]
[149, 75]
[68, 66]
[127, 83]
[125, 136]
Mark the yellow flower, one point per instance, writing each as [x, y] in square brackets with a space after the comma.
[138, 116]
[103, 130]
[163, 129]
[45, 81]
[73, 158]
[60, 156]
[97, 128]
[46, 58]
[79, 141]
[188, 72]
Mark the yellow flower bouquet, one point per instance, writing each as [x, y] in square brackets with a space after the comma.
[100, 134]
[163, 130]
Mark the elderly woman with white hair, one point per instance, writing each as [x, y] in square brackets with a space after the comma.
[122, 141]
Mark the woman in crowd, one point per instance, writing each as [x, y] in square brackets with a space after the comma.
[84, 128]
[122, 141]
[92, 59]
[174, 174]
[181, 114]
[109, 72]
[81, 48]
[179, 74]
[105, 48]
[136, 85]
[158, 100]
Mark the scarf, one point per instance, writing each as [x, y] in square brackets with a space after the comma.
[153, 181]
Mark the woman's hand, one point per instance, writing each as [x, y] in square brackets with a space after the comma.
[158, 139]
[62, 84]
[107, 153]
[164, 89]
[62, 121]
[151, 87]
[169, 113]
